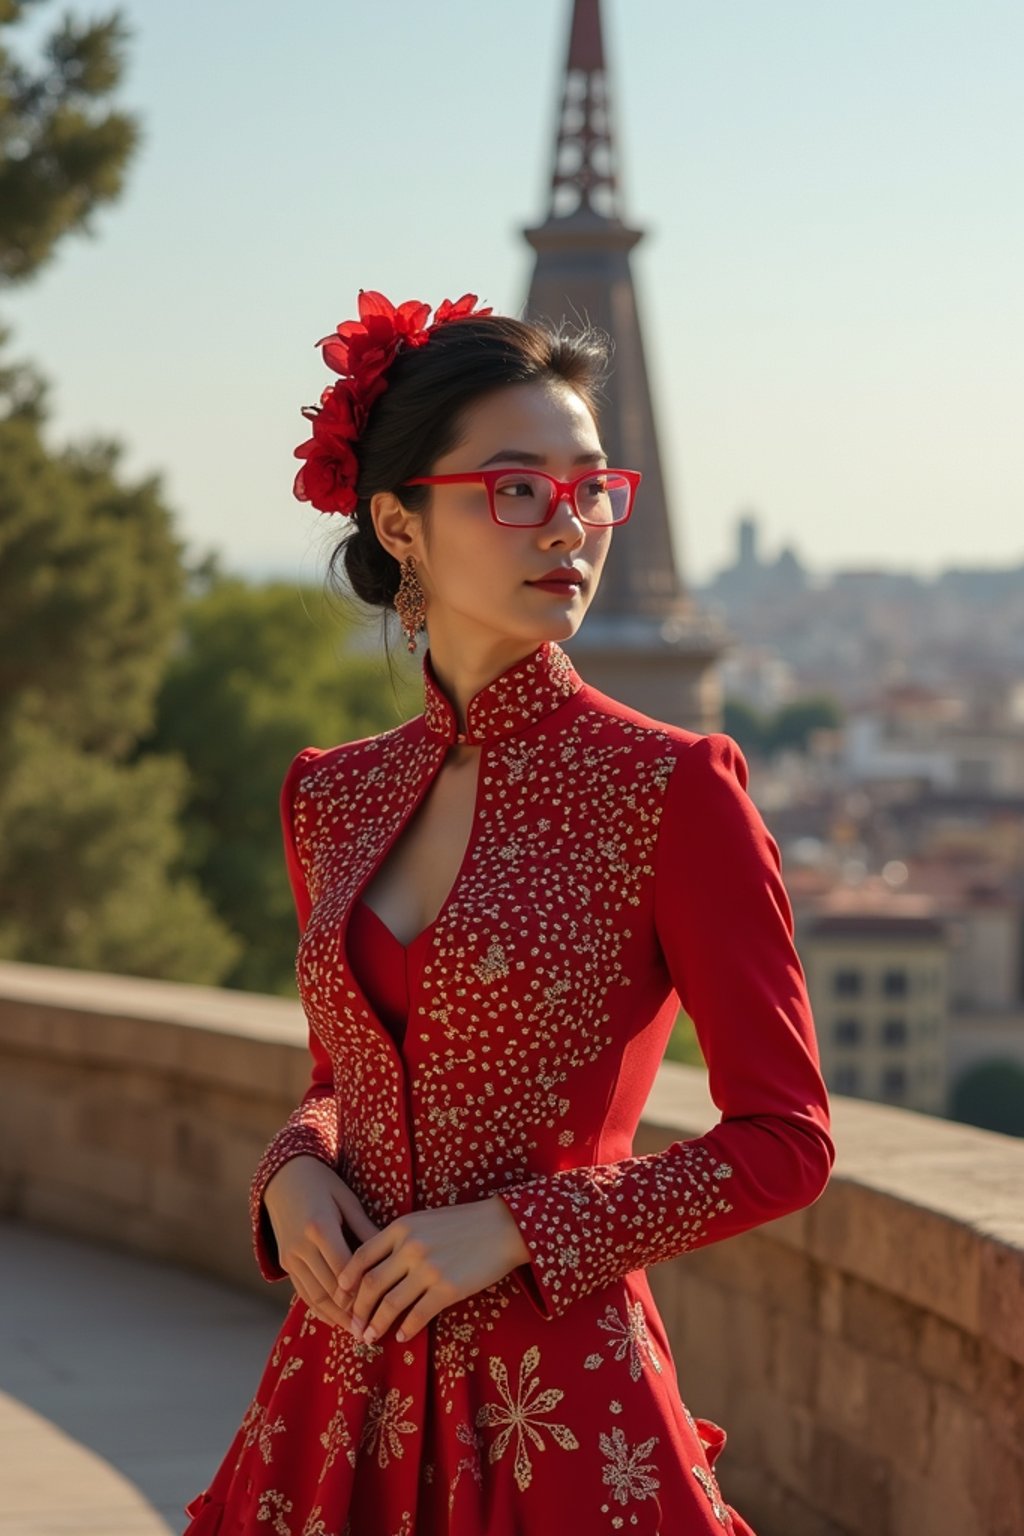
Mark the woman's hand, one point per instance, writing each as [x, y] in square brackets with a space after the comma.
[306, 1202]
[426, 1260]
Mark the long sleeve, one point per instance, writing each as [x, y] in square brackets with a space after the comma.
[311, 1129]
[724, 924]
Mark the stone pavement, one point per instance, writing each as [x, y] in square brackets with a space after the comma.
[122, 1381]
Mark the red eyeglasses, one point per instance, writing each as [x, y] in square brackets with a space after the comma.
[525, 498]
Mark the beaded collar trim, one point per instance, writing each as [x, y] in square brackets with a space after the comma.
[525, 692]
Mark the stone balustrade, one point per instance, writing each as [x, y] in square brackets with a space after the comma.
[865, 1354]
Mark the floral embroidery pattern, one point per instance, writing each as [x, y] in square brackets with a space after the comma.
[335, 1438]
[523, 1417]
[709, 1483]
[315, 1524]
[266, 1432]
[384, 1425]
[274, 1506]
[459, 1329]
[249, 1428]
[629, 1337]
[346, 1358]
[284, 1339]
[466, 1435]
[627, 1472]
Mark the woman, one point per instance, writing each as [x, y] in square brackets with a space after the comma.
[502, 903]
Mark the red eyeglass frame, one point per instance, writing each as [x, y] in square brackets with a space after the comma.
[563, 488]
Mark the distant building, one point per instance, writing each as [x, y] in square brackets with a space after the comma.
[913, 987]
[926, 736]
[878, 981]
[752, 578]
[985, 921]
[757, 676]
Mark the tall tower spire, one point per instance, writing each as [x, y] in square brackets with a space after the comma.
[642, 633]
[584, 174]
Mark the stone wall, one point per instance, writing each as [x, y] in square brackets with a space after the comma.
[865, 1355]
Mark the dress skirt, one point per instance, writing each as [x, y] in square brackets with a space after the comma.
[572, 1424]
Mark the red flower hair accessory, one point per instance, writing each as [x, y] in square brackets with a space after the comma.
[362, 352]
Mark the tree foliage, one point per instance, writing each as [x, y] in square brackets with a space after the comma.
[90, 588]
[91, 585]
[88, 856]
[63, 151]
[92, 858]
[762, 735]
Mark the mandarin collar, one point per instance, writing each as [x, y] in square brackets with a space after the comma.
[525, 692]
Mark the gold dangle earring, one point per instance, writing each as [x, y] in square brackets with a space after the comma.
[410, 602]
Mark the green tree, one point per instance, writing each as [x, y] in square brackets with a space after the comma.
[793, 723]
[90, 588]
[259, 673]
[91, 856]
[92, 870]
[745, 725]
[789, 727]
[63, 151]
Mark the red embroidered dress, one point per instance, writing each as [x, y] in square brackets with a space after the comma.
[615, 869]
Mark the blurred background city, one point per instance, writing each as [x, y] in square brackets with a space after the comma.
[801, 225]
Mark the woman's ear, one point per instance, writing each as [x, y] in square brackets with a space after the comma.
[396, 527]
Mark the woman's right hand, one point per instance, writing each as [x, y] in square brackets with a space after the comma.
[306, 1202]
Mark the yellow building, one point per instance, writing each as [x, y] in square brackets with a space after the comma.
[878, 983]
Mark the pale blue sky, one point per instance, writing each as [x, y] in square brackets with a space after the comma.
[830, 287]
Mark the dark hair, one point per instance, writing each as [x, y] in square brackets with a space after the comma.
[419, 419]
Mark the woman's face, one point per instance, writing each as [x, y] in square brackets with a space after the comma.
[476, 573]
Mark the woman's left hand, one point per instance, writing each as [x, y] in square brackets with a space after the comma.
[426, 1260]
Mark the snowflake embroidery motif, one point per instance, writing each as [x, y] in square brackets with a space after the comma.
[523, 1417]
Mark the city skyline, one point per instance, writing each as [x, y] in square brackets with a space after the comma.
[828, 285]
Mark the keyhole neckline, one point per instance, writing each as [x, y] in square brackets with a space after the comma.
[468, 854]
[424, 933]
